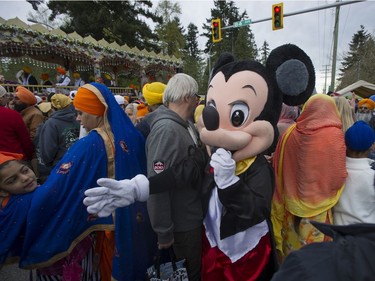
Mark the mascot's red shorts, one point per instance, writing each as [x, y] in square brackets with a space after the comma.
[216, 266]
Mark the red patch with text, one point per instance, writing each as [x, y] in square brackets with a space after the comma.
[159, 166]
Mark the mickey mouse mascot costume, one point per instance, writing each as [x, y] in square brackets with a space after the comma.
[243, 105]
[238, 125]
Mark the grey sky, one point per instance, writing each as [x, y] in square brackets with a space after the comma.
[313, 32]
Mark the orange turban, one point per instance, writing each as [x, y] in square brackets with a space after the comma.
[142, 110]
[370, 104]
[88, 102]
[25, 95]
[7, 156]
[61, 70]
[44, 76]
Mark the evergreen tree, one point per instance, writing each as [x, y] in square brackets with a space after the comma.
[264, 52]
[245, 46]
[356, 48]
[238, 41]
[228, 13]
[120, 21]
[193, 63]
[170, 31]
[358, 62]
[191, 47]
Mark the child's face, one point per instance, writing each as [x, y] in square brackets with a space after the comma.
[17, 178]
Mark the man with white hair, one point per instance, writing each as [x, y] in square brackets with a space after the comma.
[176, 216]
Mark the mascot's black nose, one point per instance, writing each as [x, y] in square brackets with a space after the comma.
[210, 118]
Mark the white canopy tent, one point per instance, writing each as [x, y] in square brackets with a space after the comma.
[360, 88]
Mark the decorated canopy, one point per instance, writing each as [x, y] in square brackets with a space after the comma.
[72, 51]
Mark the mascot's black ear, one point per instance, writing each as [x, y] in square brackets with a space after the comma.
[293, 72]
[223, 59]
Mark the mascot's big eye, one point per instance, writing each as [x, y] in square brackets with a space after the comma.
[239, 114]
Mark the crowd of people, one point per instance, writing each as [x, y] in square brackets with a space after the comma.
[53, 152]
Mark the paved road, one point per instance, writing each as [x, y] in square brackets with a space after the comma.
[13, 273]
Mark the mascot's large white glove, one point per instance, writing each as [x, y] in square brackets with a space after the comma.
[113, 194]
[224, 168]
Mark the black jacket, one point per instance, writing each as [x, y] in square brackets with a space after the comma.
[350, 256]
[247, 202]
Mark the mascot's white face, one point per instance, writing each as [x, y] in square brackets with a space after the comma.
[238, 102]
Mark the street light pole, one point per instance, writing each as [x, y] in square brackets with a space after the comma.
[209, 61]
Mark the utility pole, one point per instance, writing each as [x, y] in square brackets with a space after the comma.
[325, 78]
[335, 40]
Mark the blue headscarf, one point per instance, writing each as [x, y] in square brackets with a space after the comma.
[57, 219]
[12, 226]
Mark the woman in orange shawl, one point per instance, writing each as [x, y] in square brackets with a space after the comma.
[309, 164]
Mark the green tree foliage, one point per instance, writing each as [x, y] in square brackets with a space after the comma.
[193, 64]
[120, 21]
[264, 52]
[245, 46]
[358, 62]
[228, 13]
[238, 41]
[170, 30]
[168, 10]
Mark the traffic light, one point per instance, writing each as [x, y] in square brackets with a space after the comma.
[216, 30]
[277, 16]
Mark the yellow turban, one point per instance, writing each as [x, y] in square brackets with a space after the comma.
[27, 69]
[45, 107]
[76, 75]
[370, 104]
[60, 101]
[198, 112]
[153, 92]
[107, 76]
[88, 102]
[25, 95]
